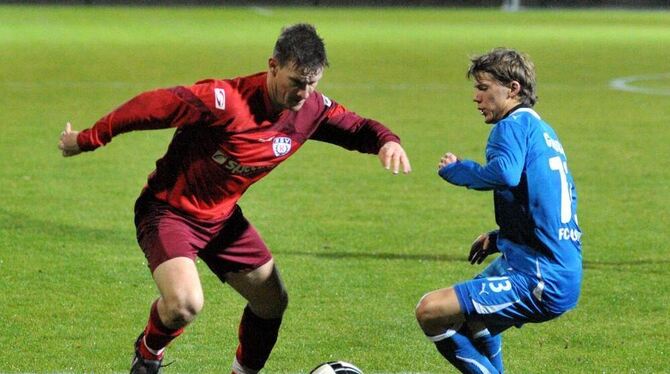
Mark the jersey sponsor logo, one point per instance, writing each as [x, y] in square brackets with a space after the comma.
[219, 157]
[281, 145]
[565, 233]
[234, 166]
[220, 98]
[326, 101]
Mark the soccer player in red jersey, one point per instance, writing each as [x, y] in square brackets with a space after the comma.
[229, 134]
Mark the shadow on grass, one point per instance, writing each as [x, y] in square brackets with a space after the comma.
[375, 256]
[456, 258]
[24, 224]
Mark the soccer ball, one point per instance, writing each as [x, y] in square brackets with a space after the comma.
[336, 367]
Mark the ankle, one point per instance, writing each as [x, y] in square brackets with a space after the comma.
[148, 353]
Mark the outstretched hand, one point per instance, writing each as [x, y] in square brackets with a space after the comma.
[481, 248]
[68, 141]
[448, 159]
[393, 156]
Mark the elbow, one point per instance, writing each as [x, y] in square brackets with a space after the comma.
[510, 179]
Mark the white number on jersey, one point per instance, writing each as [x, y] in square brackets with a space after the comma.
[561, 167]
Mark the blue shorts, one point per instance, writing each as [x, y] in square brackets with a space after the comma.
[501, 298]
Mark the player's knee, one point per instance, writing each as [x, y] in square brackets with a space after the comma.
[183, 310]
[425, 311]
[433, 313]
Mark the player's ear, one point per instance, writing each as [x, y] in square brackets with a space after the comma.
[273, 66]
[515, 89]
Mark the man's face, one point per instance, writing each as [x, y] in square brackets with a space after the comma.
[289, 86]
[493, 99]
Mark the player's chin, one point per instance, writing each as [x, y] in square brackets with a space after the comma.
[297, 106]
[488, 117]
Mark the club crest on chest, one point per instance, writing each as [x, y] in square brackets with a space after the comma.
[281, 145]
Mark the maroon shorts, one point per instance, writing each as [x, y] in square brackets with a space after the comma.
[230, 244]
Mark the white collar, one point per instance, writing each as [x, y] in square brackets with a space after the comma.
[527, 110]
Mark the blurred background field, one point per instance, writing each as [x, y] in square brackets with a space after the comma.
[357, 247]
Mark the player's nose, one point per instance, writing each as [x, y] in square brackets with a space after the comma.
[304, 94]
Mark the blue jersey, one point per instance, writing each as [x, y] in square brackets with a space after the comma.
[535, 204]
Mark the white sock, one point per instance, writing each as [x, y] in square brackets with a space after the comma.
[241, 369]
[153, 351]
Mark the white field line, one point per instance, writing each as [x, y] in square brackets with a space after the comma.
[262, 11]
[636, 84]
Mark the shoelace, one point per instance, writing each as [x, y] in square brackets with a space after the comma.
[168, 364]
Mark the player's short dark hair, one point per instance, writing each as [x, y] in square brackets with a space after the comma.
[299, 44]
[507, 65]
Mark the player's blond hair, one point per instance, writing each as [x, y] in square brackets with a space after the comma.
[506, 65]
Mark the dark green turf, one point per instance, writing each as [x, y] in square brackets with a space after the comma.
[357, 247]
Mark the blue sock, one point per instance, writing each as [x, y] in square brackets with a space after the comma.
[460, 351]
[491, 347]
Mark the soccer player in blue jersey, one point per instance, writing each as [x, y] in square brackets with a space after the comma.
[538, 275]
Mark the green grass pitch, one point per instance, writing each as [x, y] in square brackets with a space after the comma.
[357, 247]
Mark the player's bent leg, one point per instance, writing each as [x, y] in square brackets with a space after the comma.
[438, 311]
[180, 301]
[263, 288]
[259, 327]
[440, 317]
[181, 292]
[489, 345]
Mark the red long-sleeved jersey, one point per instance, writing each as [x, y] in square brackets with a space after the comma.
[228, 138]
